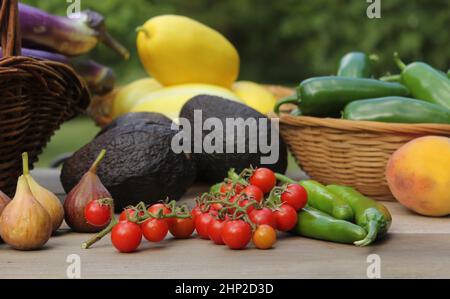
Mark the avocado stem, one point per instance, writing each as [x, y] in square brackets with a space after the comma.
[142, 29]
[25, 166]
[401, 65]
[100, 157]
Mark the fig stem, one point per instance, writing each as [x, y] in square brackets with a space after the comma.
[97, 161]
[25, 166]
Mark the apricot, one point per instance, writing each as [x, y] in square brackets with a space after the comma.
[418, 175]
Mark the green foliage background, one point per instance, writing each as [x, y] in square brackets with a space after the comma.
[285, 41]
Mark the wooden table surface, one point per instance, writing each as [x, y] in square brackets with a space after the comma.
[416, 247]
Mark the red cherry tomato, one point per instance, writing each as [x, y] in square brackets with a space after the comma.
[97, 214]
[154, 209]
[295, 196]
[236, 234]
[215, 231]
[123, 215]
[263, 216]
[263, 178]
[225, 188]
[244, 203]
[197, 211]
[126, 236]
[285, 218]
[155, 230]
[201, 225]
[182, 228]
[253, 192]
[216, 206]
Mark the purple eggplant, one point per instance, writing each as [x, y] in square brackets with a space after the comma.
[99, 78]
[71, 37]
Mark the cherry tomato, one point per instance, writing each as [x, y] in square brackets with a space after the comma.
[263, 178]
[197, 211]
[216, 206]
[245, 202]
[215, 231]
[126, 236]
[97, 214]
[155, 230]
[264, 237]
[295, 196]
[236, 234]
[285, 218]
[123, 215]
[263, 216]
[182, 228]
[201, 225]
[253, 192]
[241, 202]
[154, 209]
[225, 188]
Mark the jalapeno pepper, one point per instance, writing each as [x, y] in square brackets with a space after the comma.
[327, 96]
[425, 82]
[369, 214]
[356, 65]
[315, 224]
[396, 110]
[320, 198]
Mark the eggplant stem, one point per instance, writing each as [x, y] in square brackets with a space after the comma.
[25, 166]
[97, 161]
[109, 41]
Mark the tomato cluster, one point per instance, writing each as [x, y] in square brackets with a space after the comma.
[246, 207]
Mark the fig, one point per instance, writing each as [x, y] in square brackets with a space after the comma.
[4, 200]
[88, 188]
[25, 224]
[47, 199]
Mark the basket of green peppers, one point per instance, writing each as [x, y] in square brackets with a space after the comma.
[345, 127]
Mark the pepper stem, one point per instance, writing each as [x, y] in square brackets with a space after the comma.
[25, 166]
[97, 161]
[284, 179]
[401, 65]
[371, 235]
[288, 100]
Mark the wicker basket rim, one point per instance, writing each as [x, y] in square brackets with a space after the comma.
[359, 126]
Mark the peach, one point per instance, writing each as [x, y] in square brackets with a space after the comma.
[418, 175]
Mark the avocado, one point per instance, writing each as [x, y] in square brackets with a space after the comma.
[133, 117]
[139, 164]
[213, 167]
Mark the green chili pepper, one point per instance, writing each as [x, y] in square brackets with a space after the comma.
[425, 82]
[315, 224]
[322, 199]
[396, 110]
[327, 96]
[356, 65]
[369, 214]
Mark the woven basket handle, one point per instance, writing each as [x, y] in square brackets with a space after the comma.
[10, 28]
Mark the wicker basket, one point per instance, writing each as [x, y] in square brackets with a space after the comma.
[353, 153]
[36, 97]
